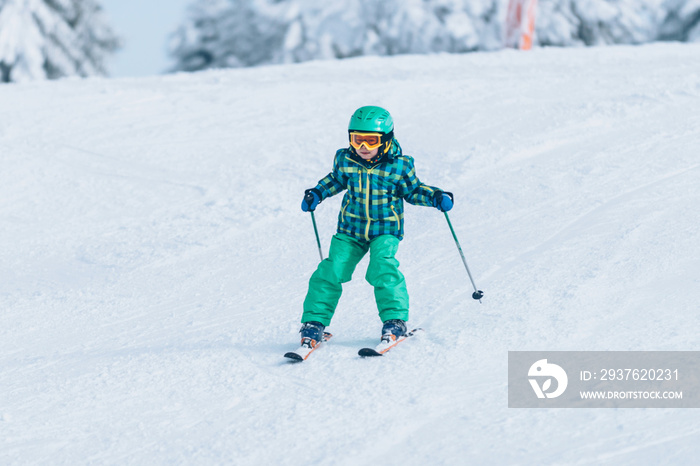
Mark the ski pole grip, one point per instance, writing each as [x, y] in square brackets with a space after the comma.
[309, 199]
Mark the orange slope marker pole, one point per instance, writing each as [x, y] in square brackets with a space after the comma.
[528, 25]
[520, 24]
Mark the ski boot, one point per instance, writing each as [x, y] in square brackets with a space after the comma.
[311, 334]
[393, 329]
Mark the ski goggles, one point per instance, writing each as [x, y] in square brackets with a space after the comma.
[370, 140]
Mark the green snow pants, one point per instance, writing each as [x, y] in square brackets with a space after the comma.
[325, 285]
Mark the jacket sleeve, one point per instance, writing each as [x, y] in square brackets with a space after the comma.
[335, 181]
[413, 191]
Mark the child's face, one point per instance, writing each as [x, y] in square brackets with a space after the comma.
[367, 154]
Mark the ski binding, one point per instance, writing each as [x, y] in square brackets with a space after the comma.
[307, 347]
[388, 342]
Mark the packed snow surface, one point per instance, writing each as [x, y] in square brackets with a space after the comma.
[154, 260]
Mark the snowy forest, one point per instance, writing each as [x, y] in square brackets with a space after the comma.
[48, 39]
[235, 33]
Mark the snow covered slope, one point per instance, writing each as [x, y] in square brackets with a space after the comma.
[154, 259]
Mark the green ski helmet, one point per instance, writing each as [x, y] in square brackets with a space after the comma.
[373, 119]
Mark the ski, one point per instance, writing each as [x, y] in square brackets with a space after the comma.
[303, 352]
[385, 345]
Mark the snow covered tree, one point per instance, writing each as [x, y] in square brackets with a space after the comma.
[228, 33]
[599, 22]
[50, 39]
[683, 21]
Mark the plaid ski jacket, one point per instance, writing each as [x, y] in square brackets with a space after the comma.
[373, 203]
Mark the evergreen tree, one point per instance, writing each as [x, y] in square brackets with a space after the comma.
[683, 21]
[50, 39]
[599, 22]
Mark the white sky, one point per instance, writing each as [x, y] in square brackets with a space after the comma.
[144, 26]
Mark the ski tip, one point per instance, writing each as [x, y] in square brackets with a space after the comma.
[294, 357]
[368, 352]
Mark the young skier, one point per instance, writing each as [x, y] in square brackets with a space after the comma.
[378, 177]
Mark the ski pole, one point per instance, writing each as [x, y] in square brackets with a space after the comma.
[478, 294]
[318, 241]
[309, 198]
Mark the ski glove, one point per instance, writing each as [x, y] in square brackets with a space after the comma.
[443, 201]
[312, 197]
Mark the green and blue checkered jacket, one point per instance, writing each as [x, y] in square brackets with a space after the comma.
[373, 203]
